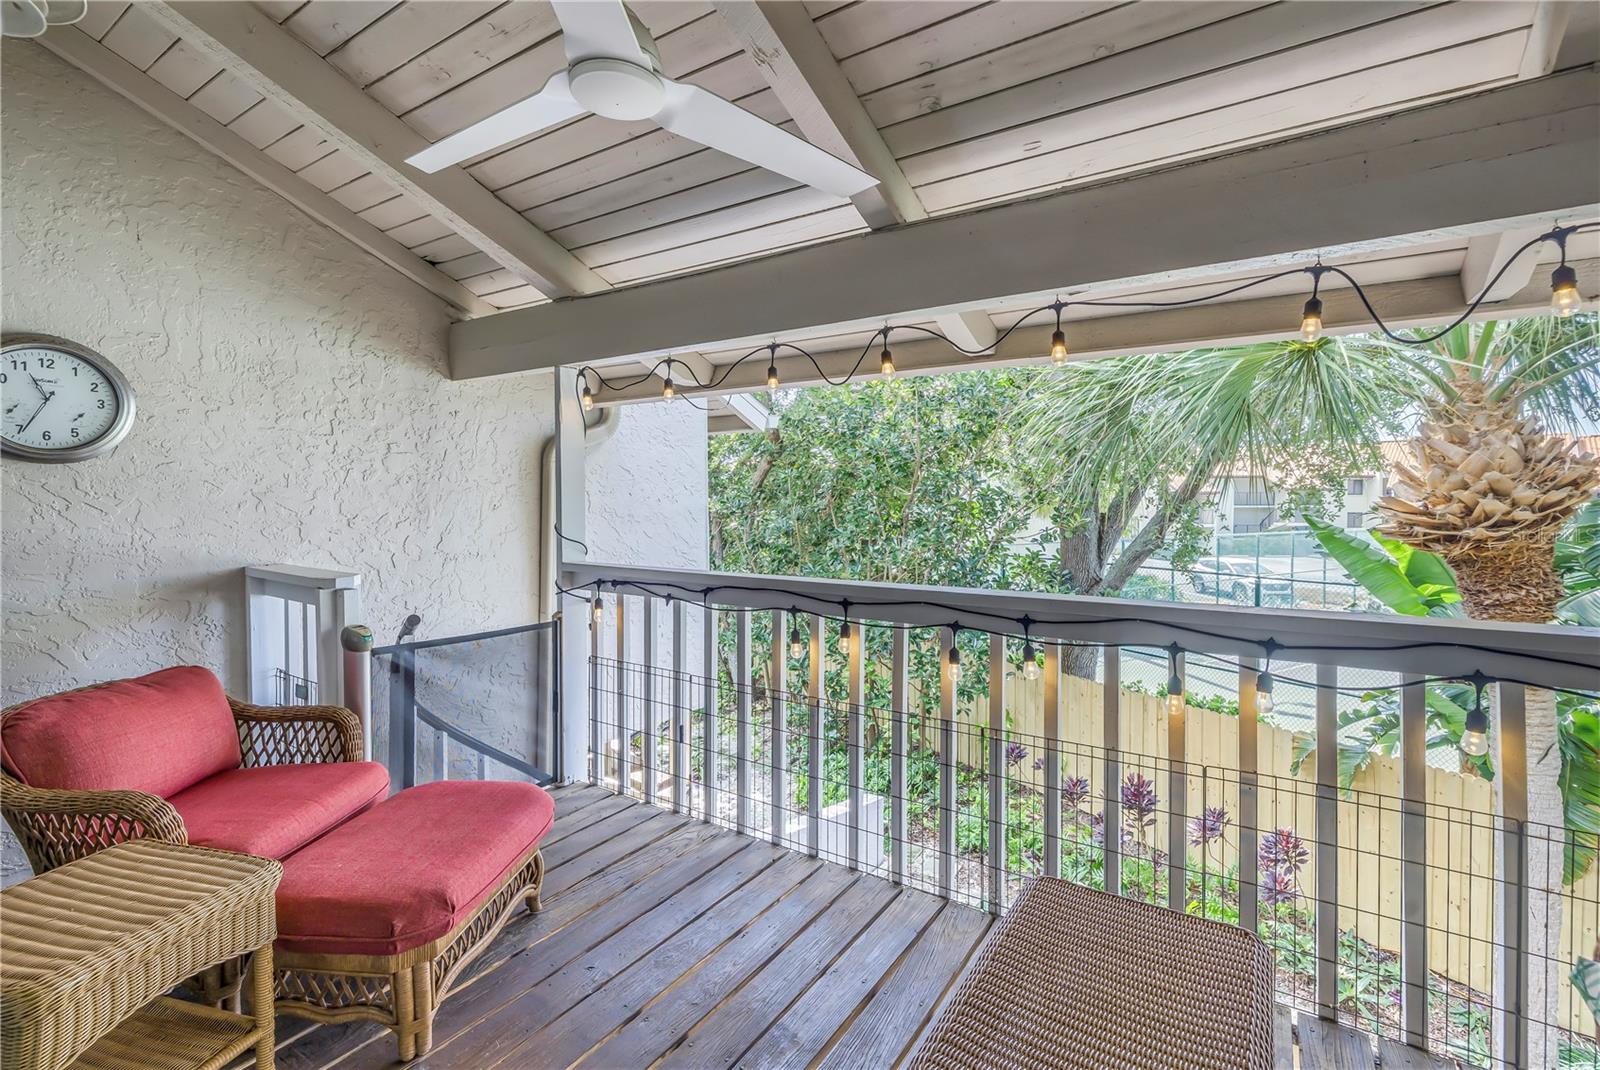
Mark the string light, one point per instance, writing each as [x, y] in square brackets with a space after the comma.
[1175, 703]
[1058, 340]
[952, 662]
[1475, 737]
[1264, 683]
[844, 623]
[668, 392]
[1566, 300]
[599, 609]
[1030, 656]
[586, 396]
[797, 646]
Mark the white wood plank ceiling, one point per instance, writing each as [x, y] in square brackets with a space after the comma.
[976, 102]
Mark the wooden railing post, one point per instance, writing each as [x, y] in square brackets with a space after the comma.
[679, 745]
[708, 717]
[1178, 800]
[650, 713]
[1414, 861]
[947, 768]
[1327, 842]
[816, 676]
[596, 625]
[899, 697]
[1052, 761]
[1512, 947]
[777, 689]
[1111, 788]
[1249, 799]
[999, 768]
[741, 694]
[856, 743]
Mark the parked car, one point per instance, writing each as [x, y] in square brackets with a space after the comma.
[1237, 579]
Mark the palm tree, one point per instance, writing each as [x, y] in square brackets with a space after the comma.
[1488, 488]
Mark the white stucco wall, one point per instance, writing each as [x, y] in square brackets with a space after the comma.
[293, 407]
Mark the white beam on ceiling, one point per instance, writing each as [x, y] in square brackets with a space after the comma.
[739, 412]
[1550, 18]
[797, 63]
[281, 68]
[1414, 302]
[123, 78]
[1487, 254]
[1521, 155]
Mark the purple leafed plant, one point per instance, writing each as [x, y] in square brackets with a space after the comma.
[1283, 851]
[1015, 753]
[1097, 827]
[1139, 801]
[1209, 826]
[1278, 887]
[1074, 792]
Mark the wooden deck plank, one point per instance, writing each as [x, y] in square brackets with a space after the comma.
[807, 1028]
[905, 1001]
[1330, 1046]
[566, 861]
[714, 1017]
[685, 927]
[1393, 1055]
[1282, 1037]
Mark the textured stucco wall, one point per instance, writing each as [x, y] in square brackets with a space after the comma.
[292, 407]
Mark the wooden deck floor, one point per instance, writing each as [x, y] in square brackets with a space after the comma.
[668, 943]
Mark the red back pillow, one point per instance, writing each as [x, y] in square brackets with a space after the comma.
[158, 733]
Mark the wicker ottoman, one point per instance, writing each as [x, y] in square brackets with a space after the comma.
[89, 948]
[1076, 979]
[378, 918]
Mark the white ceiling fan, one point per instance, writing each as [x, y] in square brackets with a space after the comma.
[614, 71]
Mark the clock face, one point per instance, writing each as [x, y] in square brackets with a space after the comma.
[59, 401]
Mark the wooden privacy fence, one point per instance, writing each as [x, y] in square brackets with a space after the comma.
[1460, 808]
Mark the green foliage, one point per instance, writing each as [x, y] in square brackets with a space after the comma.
[1413, 582]
[1577, 561]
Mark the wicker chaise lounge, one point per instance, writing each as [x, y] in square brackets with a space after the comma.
[384, 900]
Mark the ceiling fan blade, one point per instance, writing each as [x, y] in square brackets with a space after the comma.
[551, 105]
[702, 116]
[591, 29]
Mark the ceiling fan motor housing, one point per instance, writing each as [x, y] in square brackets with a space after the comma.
[616, 89]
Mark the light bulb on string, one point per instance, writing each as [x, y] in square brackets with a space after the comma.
[668, 391]
[1565, 300]
[1264, 683]
[1030, 656]
[886, 363]
[797, 646]
[1311, 320]
[952, 663]
[586, 396]
[599, 609]
[772, 377]
[1475, 737]
[1175, 703]
[844, 625]
[1058, 340]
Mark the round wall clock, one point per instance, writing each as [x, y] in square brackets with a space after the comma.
[60, 401]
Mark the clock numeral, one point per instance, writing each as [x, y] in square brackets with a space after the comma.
[74, 432]
[101, 403]
[47, 436]
[2, 377]
[94, 388]
[47, 362]
[18, 366]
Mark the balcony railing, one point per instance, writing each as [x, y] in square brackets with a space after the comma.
[1412, 896]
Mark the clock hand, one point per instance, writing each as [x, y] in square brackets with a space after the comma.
[36, 412]
[39, 388]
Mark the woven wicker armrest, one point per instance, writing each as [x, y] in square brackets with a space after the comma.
[296, 735]
[56, 826]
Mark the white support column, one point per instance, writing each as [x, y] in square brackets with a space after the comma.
[708, 730]
[1414, 867]
[815, 678]
[899, 696]
[1178, 803]
[1327, 842]
[855, 675]
[1110, 790]
[1511, 946]
[1053, 671]
[947, 768]
[778, 747]
[622, 738]
[1249, 798]
[574, 652]
[999, 769]
[741, 695]
[649, 710]
[679, 745]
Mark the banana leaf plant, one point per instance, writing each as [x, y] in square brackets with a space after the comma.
[1417, 583]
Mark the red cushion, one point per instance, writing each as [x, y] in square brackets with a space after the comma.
[158, 733]
[410, 869]
[276, 809]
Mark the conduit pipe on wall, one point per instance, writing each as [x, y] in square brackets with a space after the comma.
[594, 434]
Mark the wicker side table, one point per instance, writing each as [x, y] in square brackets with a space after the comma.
[88, 949]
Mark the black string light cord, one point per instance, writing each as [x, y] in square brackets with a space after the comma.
[589, 373]
[1024, 630]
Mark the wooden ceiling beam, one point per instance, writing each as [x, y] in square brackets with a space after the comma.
[1549, 26]
[129, 82]
[1487, 254]
[282, 69]
[797, 63]
[1414, 302]
[1522, 155]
